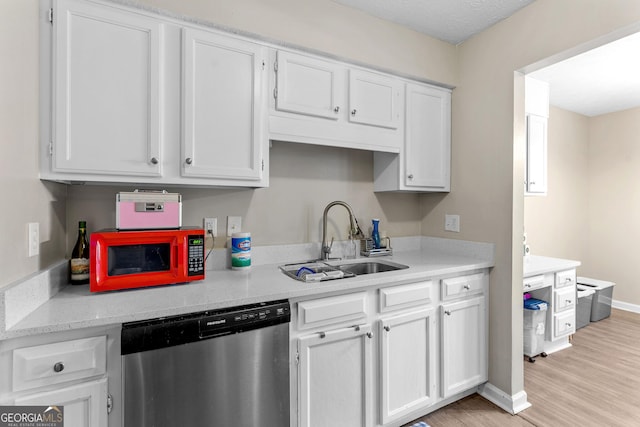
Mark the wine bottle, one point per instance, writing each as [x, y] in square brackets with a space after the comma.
[79, 263]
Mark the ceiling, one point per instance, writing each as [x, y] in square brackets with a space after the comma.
[452, 21]
[600, 81]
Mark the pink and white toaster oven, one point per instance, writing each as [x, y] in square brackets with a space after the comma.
[144, 210]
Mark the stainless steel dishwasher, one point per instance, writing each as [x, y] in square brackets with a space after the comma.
[215, 368]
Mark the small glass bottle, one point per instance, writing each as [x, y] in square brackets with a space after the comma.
[79, 262]
[375, 234]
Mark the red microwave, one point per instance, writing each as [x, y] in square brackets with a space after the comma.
[134, 259]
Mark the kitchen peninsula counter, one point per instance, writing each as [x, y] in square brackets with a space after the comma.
[75, 307]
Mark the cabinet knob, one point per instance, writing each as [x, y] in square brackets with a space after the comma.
[568, 301]
[353, 112]
[322, 334]
[387, 328]
[154, 161]
[370, 334]
[189, 160]
[447, 312]
[410, 176]
[58, 367]
[336, 109]
[467, 287]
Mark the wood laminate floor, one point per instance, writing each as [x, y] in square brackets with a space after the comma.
[596, 382]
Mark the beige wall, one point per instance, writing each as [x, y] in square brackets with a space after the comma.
[614, 205]
[557, 224]
[487, 140]
[24, 198]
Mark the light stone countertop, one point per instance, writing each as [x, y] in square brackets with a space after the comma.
[535, 264]
[76, 307]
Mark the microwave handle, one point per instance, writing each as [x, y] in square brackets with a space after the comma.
[176, 255]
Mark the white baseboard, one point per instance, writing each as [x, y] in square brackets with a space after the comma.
[512, 404]
[625, 306]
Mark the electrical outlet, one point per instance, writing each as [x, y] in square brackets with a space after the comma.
[234, 225]
[34, 239]
[452, 223]
[211, 225]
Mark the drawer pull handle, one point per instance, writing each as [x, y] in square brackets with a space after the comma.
[387, 328]
[467, 287]
[58, 367]
[447, 312]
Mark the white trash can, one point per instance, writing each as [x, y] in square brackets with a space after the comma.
[535, 315]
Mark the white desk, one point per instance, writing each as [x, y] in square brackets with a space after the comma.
[553, 280]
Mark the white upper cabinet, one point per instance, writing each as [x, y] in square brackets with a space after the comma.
[308, 86]
[536, 178]
[107, 91]
[424, 163]
[326, 102]
[374, 99]
[139, 98]
[223, 135]
[537, 114]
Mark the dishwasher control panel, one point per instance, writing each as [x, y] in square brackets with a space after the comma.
[146, 335]
[244, 319]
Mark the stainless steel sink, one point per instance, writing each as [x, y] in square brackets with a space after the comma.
[370, 267]
[319, 271]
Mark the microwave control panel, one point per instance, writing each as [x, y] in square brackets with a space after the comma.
[196, 255]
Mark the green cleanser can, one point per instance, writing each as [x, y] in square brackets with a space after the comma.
[240, 251]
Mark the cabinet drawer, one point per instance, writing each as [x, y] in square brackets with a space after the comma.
[533, 283]
[564, 324]
[332, 310]
[404, 296]
[564, 299]
[463, 285]
[58, 362]
[565, 278]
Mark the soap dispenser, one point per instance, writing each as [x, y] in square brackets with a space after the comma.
[375, 234]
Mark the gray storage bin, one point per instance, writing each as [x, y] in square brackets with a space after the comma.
[601, 304]
[585, 300]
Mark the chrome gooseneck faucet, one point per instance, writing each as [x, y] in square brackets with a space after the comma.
[353, 232]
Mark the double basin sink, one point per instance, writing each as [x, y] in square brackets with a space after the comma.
[317, 271]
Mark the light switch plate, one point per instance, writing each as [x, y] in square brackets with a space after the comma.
[234, 225]
[34, 239]
[452, 223]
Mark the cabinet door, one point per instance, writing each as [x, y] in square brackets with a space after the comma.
[407, 363]
[106, 81]
[374, 99]
[223, 93]
[464, 346]
[427, 138]
[335, 378]
[85, 404]
[309, 86]
[536, 154]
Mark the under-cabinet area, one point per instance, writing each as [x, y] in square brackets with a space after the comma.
[132, 96]
[390, 354]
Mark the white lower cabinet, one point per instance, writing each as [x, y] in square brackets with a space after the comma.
[85, 404]
[463, 345]
[379, 357]
[335, 378]
[407, 363]
[78, 370]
